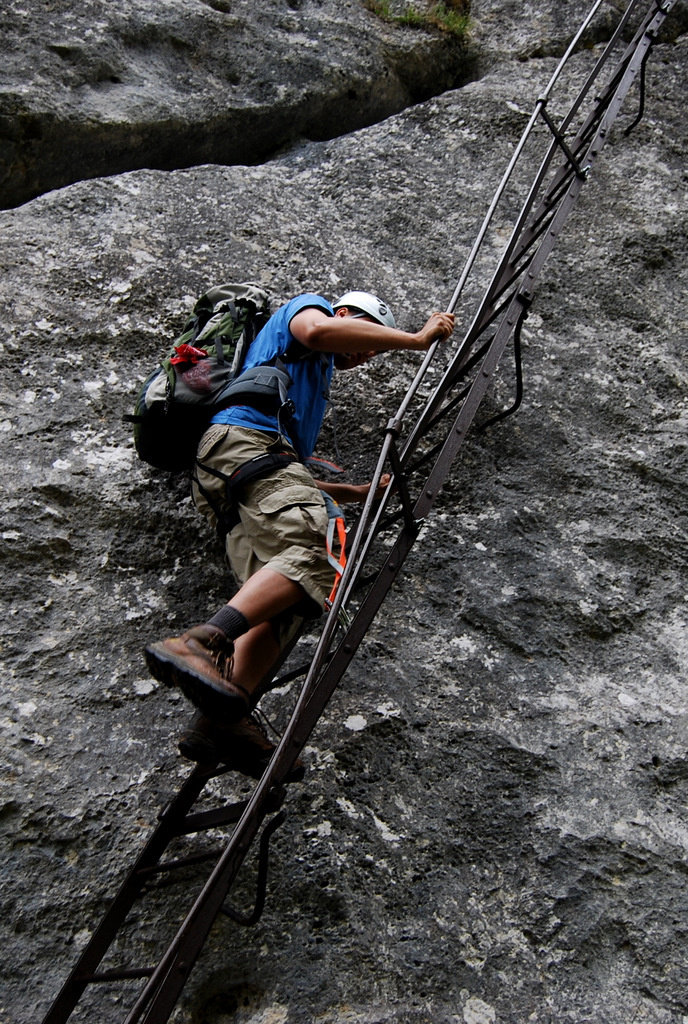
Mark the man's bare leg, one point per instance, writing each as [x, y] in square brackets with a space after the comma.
[254, 655]
[264, 595]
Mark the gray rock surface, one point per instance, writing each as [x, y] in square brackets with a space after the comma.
[97, 88]
[493, 826]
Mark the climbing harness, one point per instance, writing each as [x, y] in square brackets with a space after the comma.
[335, 525]
[434, 440]
[227, 515]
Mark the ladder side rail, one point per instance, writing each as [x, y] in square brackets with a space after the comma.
[439, 472]
[129, 891]
[160, 994]
[643, 40]
[451, 399]
[500, 190]
[567, 120]
[490, 308]
[381, 517]
[601, 135]
[524, 236]
[528, 234]
[507, 273]
[541, 102]
[367, 527]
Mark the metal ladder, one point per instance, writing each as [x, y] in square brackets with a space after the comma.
[420, 462]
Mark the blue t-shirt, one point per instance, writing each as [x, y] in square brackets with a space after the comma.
[311, 378]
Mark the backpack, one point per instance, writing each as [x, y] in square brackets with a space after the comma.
[178, 399]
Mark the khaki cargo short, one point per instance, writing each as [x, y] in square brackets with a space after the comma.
[283, 517]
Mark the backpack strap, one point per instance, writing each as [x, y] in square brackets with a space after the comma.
[297, 352]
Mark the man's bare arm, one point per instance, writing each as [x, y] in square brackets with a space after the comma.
[341, 333]
[350, 494]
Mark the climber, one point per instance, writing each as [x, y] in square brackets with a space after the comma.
[275, 528]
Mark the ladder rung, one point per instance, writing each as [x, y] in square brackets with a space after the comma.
[118, 974]
[180, 862]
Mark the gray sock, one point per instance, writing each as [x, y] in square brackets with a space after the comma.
[231, 621]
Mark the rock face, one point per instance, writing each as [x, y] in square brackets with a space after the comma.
[104, 89]
[493, 825]
[94, 88]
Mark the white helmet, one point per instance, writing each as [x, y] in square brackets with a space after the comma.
[369, 304]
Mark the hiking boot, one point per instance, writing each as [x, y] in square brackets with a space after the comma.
[200, 663]
[243, 746]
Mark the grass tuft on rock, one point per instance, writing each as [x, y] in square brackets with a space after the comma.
[452, 16]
